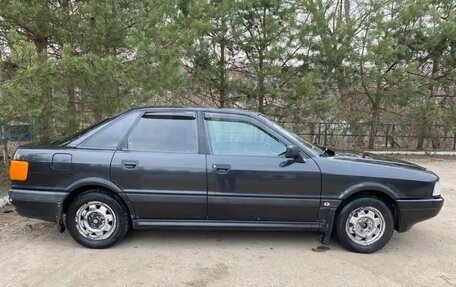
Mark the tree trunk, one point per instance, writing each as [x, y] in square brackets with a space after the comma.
[4, 144]
[45, 129]
[73, 119]
[97, 112]
[425, 127]
[312, 132]
[347, 10]
[420, 143]
[260, 76]
[260, 84]
[222, 84]
[375, 117]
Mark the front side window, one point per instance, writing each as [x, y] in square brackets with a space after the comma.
[164, 134]
[228, 137]
[316, 150]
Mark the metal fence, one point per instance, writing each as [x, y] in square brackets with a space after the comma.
[332, 134]
[12, 136]
[387, 136]
[16, 132]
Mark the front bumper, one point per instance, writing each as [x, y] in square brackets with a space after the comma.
[413, 211]
[40, 204]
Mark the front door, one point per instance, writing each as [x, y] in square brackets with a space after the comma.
[160, 168]
[250, 179]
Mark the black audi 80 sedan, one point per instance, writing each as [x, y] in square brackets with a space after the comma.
[168, 167]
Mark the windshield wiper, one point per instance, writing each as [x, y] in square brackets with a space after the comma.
[327, 152]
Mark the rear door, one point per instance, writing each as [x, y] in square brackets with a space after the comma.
[249, 178]
[161, 169]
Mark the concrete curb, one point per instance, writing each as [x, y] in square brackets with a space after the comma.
[424, 153]
[4, 201]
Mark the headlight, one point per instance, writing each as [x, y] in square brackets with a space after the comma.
[437, 189]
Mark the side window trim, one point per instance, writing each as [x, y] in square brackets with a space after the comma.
[203, 140]
[123, 142]
[188, 115]
[171, 115]
[241, 119]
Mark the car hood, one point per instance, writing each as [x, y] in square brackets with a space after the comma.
[377, 159]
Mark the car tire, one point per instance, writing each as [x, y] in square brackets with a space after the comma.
[365, 225]
[95, 219]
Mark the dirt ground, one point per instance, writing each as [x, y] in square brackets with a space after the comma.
[4, 182]
[33, 253]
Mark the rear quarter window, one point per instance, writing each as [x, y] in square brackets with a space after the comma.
[110, 136]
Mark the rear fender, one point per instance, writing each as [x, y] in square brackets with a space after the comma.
[93, 182]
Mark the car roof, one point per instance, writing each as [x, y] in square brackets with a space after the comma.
[195, 109]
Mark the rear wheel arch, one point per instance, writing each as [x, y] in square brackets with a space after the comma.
[119, 196]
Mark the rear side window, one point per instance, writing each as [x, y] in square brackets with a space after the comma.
[111, 136]
[164, 134]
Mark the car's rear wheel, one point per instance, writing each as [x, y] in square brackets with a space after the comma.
[365, 225]
[96, 220]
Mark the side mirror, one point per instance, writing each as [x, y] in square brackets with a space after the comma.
[294, 152]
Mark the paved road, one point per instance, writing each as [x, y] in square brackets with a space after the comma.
[33, 253]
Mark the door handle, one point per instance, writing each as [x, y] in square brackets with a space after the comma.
[221, 168]
[130, 164]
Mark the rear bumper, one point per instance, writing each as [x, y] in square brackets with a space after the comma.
[413, 211]
[40, 204]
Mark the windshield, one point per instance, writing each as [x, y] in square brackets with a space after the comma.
[307, 145]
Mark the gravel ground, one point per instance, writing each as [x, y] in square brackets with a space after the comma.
[33, 253]
[4, 182]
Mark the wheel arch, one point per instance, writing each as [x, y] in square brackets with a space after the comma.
[95, 183]
[369, 186]
[385, 195]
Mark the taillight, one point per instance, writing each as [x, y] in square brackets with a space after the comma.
[18, 170]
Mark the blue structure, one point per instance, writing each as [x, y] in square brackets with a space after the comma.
[15, 133]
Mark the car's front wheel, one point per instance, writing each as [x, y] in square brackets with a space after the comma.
[365, 225]
[96, 220]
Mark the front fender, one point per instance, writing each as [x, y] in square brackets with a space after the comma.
[369, 186]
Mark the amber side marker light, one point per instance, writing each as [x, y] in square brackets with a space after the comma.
[18, 170]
